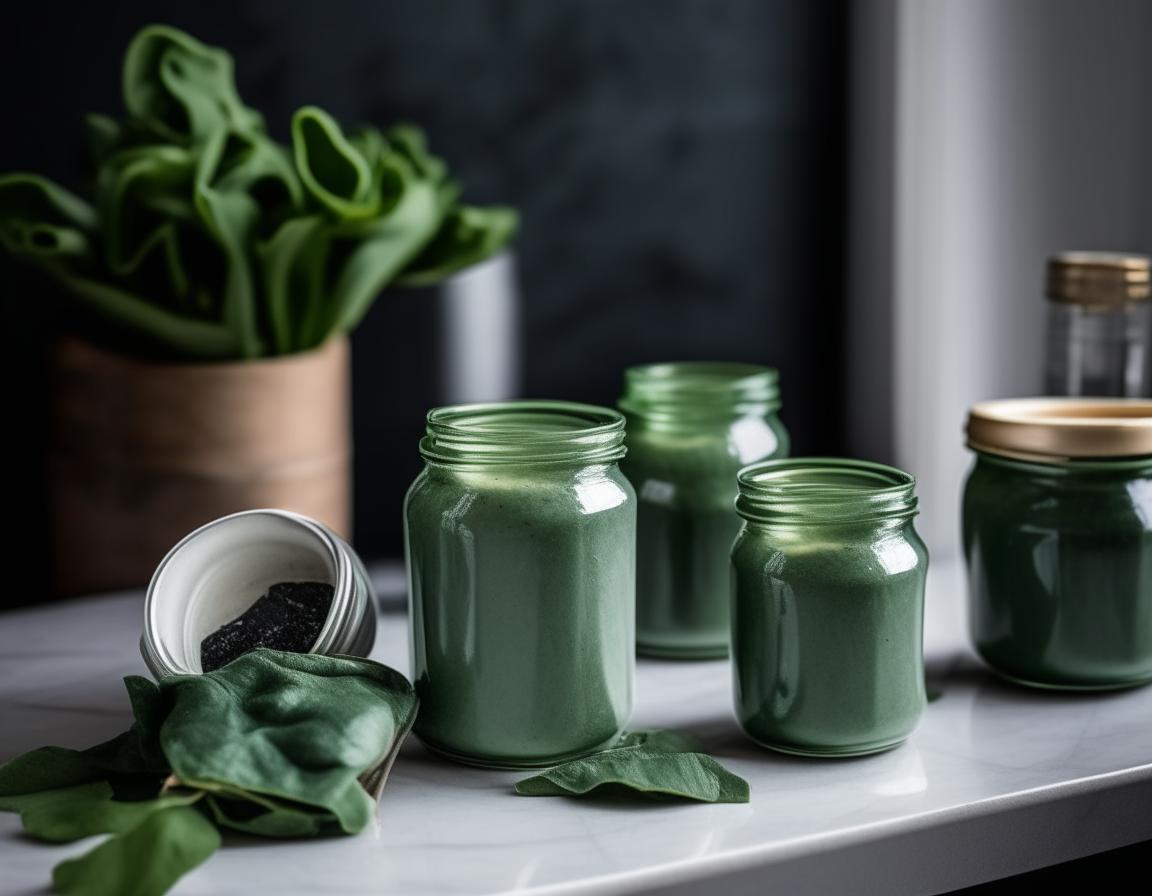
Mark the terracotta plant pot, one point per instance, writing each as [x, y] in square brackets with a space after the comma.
[143, 453]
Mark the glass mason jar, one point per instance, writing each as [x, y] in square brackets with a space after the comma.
[691, 427]
[1058, 540]
[828, 581]
[520, 539]
[1099, 325]
[217, 572]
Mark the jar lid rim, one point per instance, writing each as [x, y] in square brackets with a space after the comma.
[1061, 428]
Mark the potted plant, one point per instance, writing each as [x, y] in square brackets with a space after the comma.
[214, 275]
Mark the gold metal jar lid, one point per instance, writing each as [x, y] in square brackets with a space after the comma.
[1054, 429]
[1109, 279]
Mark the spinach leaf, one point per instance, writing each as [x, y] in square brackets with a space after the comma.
[467, 235]
[656, 763]
[47, 768]
[134, 754]
[296, 727]
[70, 813]
[179, 89]
[146, 860]
[267, 817]
[276, 744]
[208, 239]
[335, 173]
[692, 775]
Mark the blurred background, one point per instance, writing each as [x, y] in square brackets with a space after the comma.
[862, 194]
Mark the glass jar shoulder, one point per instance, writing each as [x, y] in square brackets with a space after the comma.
[716, 447]
[852, 555]
[1067, 498]
[539, 494]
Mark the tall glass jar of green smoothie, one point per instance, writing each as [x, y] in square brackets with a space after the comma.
[691, 427]
[1058, 539]
[828, 579]
[520, 541]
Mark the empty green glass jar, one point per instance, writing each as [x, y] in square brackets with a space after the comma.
[827, 607]
[691, 427]
[520, 541]
[1058, 540]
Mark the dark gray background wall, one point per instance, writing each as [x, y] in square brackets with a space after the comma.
[680, 169]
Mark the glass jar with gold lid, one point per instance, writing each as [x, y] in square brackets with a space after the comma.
[1058, 540]
[1099, 325]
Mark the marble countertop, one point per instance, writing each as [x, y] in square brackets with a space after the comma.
[997, 780]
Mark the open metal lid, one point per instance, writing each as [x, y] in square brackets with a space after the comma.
[1062, 428]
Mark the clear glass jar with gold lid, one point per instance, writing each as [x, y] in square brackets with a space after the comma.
[1099, 325]
[1058, 540]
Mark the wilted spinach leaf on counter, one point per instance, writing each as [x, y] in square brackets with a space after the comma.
[276, 744]
[643, 763]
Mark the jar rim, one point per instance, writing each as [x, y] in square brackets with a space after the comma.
[1058, 429]
[727, 387]
[823, 490]
[523, 432]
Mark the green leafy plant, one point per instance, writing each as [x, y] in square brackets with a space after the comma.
[275, 744]
[207, 239]
[652, 764]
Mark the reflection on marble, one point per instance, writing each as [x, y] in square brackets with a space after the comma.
[983, 746]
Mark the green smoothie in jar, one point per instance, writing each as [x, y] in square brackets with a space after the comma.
[1058, 540]
[828, 579]
[520, 545]
[691, 427]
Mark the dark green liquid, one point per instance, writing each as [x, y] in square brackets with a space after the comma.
[827, 636]
[1060, 570]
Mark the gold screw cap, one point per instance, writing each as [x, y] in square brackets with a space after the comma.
[1102, 279]
[1054, 429]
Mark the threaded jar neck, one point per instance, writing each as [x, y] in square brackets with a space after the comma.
[1140, 464]
[523, 432]
[824, 490]
[692, 389]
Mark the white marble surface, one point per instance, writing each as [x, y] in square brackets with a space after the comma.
[996, 780]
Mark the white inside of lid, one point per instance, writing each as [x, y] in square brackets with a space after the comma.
[218, 574]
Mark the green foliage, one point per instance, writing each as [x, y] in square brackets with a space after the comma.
[645, 763]
[240, 731]
[145, 860]
[274, 744]
[71, 813]
[207, 239]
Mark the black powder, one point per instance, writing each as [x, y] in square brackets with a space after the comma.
[289, 617]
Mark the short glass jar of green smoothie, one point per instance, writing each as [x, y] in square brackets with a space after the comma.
[691, 427]
[520, 539]
[828, 579]
[1058, 540]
